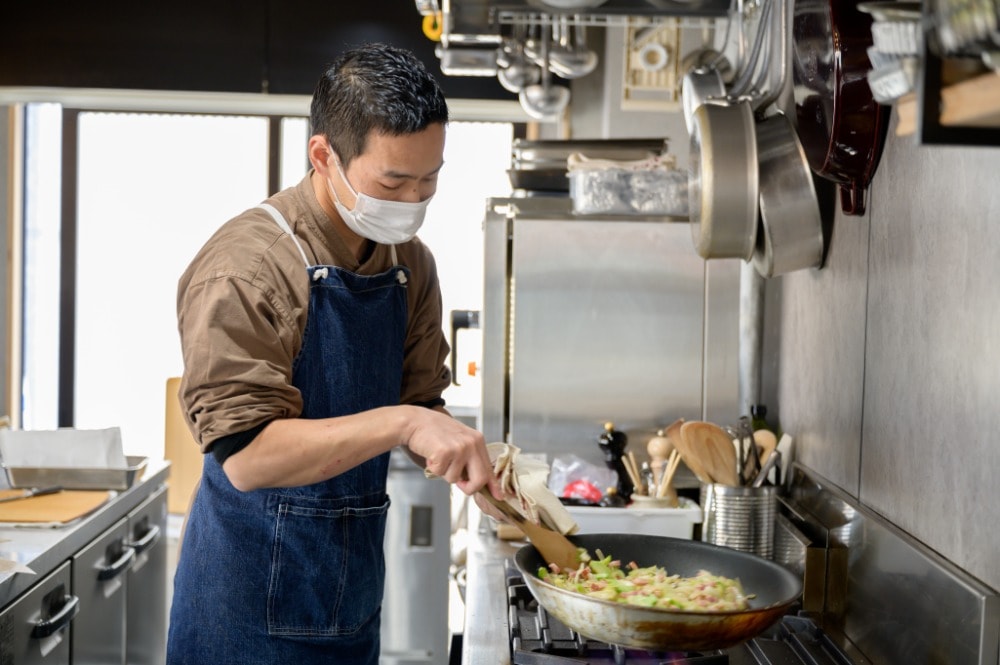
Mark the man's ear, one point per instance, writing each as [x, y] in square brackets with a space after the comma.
[319, 155]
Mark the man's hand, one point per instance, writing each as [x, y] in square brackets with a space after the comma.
[451, 450]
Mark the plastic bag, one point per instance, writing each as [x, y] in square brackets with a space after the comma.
[568, 469]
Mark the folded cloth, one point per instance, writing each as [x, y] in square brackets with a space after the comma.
[524, 481]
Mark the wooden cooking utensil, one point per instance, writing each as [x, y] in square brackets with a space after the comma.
[690, 458]
[715, 448]
[766, 443]
[694, 459]
[552, 545]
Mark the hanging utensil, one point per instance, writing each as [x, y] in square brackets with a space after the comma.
[790, 233]
[544, 101]
[841, 126]
[723, 176]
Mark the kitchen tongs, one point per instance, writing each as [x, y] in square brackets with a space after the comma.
[554, 547]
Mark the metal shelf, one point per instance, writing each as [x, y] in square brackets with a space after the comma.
[614, 13]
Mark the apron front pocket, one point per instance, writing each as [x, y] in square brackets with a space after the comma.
[327, 569]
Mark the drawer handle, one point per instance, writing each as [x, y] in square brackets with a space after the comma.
[148, 540]
[119, 566]
[70, 608]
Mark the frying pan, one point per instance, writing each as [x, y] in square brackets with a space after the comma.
[775, 589]
[841, 126]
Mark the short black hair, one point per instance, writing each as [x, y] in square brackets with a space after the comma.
[374, 87]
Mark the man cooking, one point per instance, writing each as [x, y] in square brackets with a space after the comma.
[311, 333]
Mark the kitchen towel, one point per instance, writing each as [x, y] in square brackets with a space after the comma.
[524, 480]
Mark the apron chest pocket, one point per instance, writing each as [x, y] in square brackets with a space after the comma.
[327, 569]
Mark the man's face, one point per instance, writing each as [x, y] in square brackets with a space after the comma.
[394, 168]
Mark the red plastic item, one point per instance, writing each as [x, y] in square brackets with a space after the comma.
[582, 489]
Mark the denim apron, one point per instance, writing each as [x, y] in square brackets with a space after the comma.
[295, 575]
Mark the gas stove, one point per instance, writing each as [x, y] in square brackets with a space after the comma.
[872, 595]
[537, 638]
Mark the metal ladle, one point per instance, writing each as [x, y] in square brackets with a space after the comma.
[516, 69]
[544, 101]
[568, 60]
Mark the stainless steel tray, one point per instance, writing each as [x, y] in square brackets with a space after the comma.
[77, 478]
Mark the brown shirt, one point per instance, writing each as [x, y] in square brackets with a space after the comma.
[242, 306]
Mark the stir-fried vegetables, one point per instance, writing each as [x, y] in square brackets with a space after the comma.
[648, 587]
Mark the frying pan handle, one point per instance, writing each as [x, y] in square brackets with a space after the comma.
[852, 199]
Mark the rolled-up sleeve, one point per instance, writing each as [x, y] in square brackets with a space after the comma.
[239, 342]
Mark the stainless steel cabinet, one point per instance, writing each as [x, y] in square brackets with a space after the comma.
[146, 615]
[99, 575]
[590, 318]
[417, 557]
[36, 627]
[120, 578]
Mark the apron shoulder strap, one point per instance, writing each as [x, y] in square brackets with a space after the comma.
[281, 222]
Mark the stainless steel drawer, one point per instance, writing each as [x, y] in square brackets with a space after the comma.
[99, 578]
[146, 623]
[36, 627]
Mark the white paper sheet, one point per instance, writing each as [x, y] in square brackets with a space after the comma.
[74, 448]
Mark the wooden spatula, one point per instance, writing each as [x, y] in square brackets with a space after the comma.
[692, 458]
[552, 545]
[713, 446]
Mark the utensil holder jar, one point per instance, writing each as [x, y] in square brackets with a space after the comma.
[740, 517]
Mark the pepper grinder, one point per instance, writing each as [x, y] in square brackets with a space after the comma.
[659, 448]
[613, 443]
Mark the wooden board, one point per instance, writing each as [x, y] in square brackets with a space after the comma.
[182, 451]
[61, 507]
[972, 103]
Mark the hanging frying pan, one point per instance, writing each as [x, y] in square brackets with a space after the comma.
[841, 127]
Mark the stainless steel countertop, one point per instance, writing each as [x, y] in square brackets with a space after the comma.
[486, 639]
[43, 549]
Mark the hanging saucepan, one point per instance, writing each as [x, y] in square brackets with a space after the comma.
[790, 235]
[841, 126]
[723, 186]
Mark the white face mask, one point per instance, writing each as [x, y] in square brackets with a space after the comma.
[386, 222]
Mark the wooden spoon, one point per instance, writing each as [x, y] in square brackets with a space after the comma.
[714, 447]
[691, 457]
[552, 545]
[766, 442]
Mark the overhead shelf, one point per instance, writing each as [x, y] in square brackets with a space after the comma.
[612, 12]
